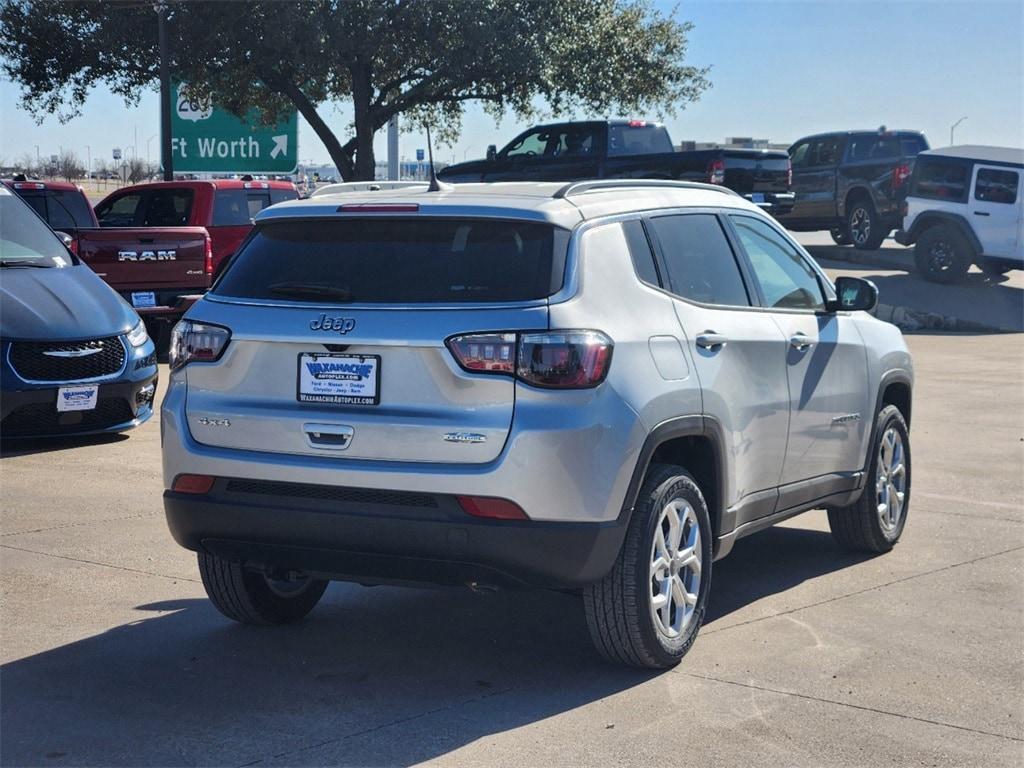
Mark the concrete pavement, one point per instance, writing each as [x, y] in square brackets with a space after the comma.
[112, 655]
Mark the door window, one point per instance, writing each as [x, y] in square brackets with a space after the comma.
[799, 155]
[996, 186]
[786, 279]
[700, 263]
[119, 212]
[826, 151]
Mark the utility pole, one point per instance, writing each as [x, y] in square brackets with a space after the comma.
[393, 149]
[165, 95]
[953, 128]
[88, 161]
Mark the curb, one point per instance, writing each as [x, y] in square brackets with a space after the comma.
[907, 319]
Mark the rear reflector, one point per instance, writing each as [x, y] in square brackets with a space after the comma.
[379, 208]
[495, 509]
[193, 483]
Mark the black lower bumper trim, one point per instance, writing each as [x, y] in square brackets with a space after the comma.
[386, 543]
[389, 542]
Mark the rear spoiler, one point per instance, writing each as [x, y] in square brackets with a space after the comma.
[365, 186]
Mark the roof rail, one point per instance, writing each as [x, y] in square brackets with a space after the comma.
[579, 187]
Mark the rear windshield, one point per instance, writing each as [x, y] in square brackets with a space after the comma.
[401, 261]
[61, 209]
[639, 139]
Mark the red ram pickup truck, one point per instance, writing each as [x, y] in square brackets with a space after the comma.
[224, 207]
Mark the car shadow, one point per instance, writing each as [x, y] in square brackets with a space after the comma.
[374, 676]
[28, 446]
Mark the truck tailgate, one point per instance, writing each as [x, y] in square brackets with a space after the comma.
[147, 258]
[756, 171]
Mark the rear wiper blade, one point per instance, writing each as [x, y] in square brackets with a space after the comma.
[24, 263]
[311, 290]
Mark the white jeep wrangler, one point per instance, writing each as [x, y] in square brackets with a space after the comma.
[963, 207]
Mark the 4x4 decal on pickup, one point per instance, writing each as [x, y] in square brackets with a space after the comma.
[147, 255]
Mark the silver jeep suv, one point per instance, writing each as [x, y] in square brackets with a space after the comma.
[597, 386]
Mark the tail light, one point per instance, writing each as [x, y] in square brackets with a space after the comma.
[208, 261]
[716, 172]
[196, 343]
[789, 174]
[899, 175]
[548, 359]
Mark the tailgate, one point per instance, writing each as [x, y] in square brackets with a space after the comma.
[147, 258]
[428, 409]
[754, 171]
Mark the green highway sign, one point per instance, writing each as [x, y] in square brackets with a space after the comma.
[207, 139]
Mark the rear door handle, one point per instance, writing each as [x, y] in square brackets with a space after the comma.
[800, 341]
[981, 213]
[710, 340]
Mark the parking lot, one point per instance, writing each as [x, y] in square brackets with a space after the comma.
[112, 654]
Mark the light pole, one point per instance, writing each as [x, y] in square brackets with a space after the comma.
[953, 128]
[147, 146]
[88, 161]
[464, 154]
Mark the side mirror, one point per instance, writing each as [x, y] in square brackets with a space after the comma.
[853, 295]
[492, 153]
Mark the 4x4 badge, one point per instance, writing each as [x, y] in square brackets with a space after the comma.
[340, 324]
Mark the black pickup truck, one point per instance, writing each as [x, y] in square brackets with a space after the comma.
[629, 149]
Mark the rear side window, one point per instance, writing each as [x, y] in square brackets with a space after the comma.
[399, 261]
[996, 186]
[640, 251]
[168, 208]
[700, 263]
[639, 139]
[61, 209]
[937, 178]
[119, 212]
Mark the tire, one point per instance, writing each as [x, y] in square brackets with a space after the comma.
[840, 235]
[249, 597]
[864, 526]
[864, 225]
[942, 254]
[620, 610]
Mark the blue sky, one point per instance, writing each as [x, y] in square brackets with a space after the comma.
[780, 70]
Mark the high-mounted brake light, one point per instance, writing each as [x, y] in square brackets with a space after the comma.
[196, 343]
[716, 172]
[549, 359]
[379, 208]
[637, 123]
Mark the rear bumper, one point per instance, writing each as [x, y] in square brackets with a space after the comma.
[776, 203]
[386, 536]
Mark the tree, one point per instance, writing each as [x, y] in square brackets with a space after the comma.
[422, 58]
[27, 164]
[69, 166]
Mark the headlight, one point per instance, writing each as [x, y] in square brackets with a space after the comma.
[196, 343]
[137, 336]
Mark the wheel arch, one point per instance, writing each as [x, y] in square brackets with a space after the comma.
[696, 443]
[896, 387]
[855, 193]
[930, 219]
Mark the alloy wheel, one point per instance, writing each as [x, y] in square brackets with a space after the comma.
[675, 568]
[860, 225]
[891, 481]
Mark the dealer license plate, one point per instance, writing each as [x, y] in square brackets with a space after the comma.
[339, 379]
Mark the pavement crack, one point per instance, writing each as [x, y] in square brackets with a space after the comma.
[382, 726]
[863, 591]
[850, 705]
[101, 564]
[75, 524]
